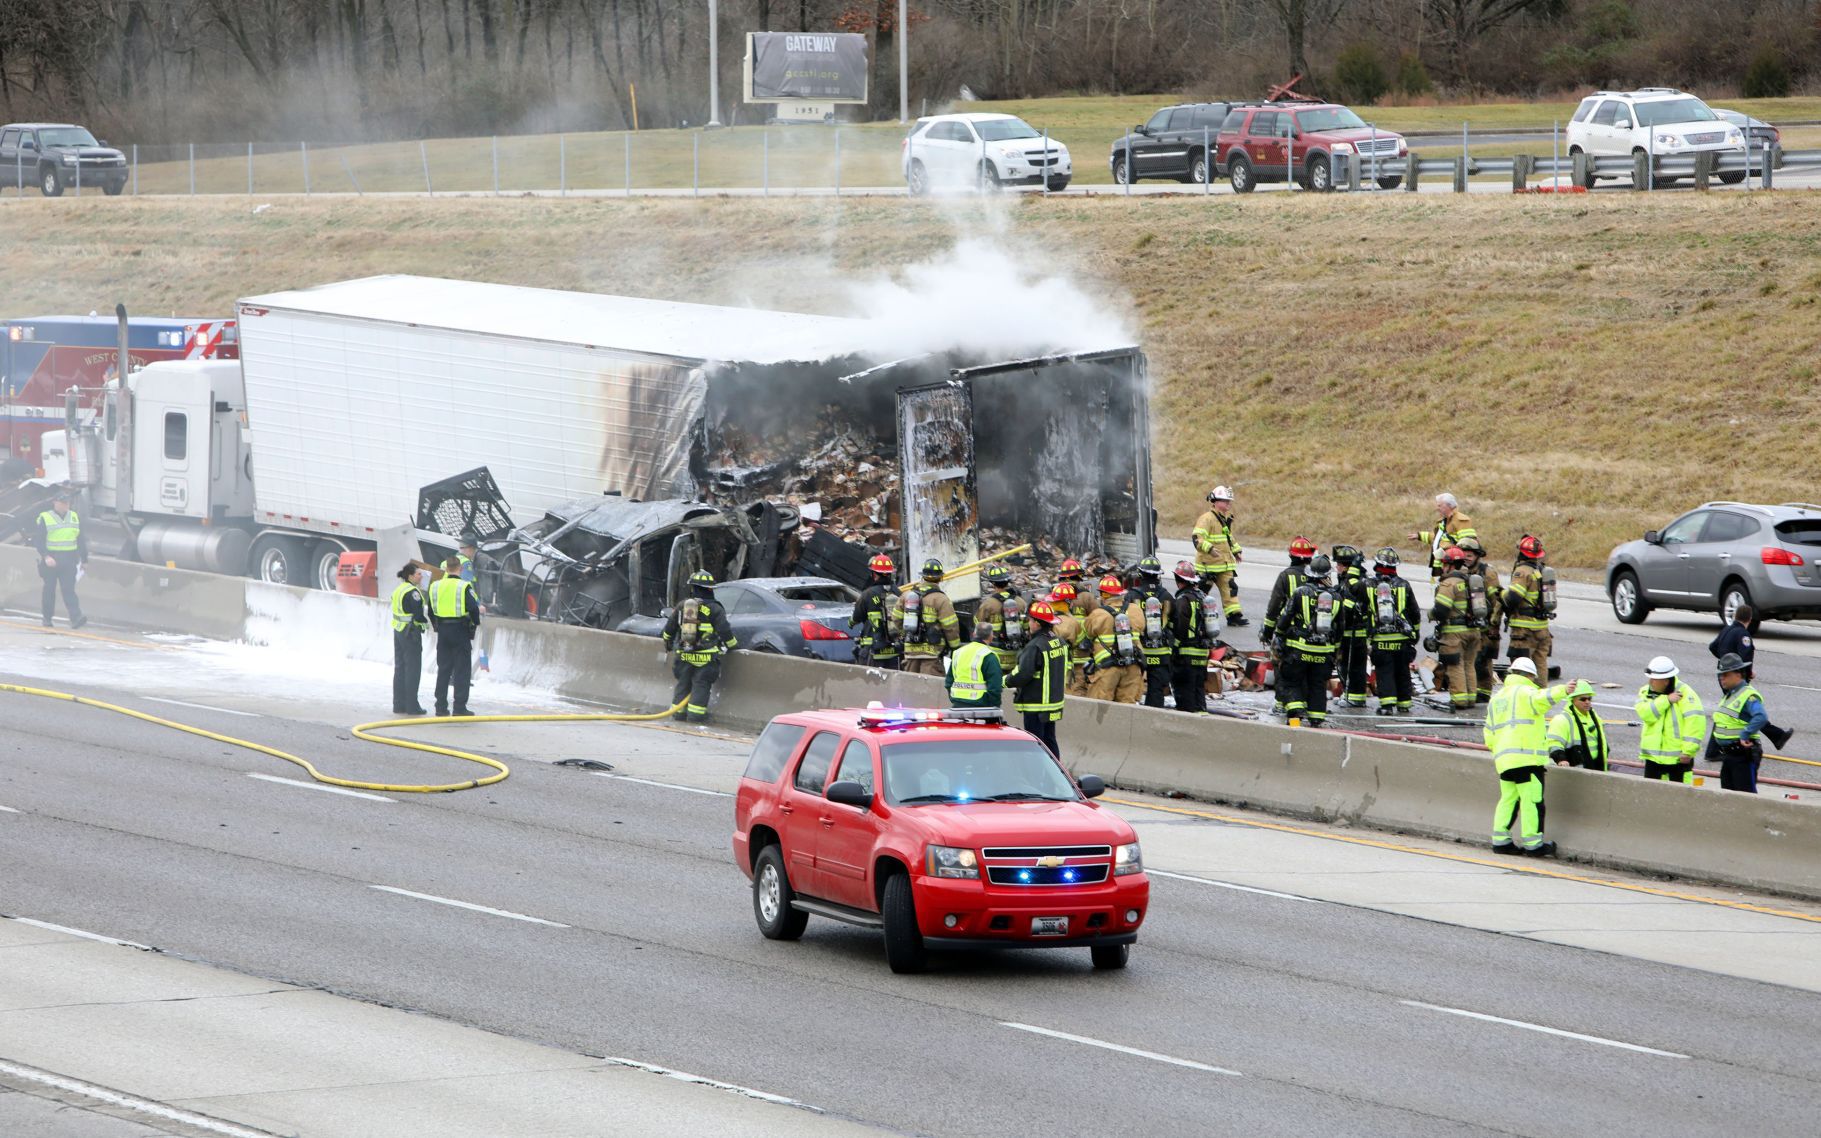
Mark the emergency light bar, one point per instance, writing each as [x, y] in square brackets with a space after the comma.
[877, 715]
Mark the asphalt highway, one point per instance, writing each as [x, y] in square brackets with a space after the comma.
[611, 921]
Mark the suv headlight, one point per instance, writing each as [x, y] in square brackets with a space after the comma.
[951, 861]
[1127, 860]
[1668, 140]
[1735, 135]
[1342, 148]
[69, 159]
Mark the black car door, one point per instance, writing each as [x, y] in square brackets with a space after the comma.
[19, 172]
[1148, 148]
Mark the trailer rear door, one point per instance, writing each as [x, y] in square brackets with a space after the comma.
[941, 508]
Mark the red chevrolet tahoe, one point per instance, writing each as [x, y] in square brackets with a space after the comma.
[942, 829]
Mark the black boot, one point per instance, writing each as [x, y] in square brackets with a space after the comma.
[1238, 620]
[1506, 848]
[1547, 849]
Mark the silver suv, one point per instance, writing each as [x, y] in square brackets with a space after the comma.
[1721, 555]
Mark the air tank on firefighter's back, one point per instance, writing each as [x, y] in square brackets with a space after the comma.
[187, 546]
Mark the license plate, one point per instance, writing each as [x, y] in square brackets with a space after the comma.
[1049, 926]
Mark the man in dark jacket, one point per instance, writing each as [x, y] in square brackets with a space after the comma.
[1037, 682]
[63, 548]
[1736, 638]
[409, 620]
[698, 633]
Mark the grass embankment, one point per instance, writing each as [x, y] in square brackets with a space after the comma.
[786, 157]
[1581, 368]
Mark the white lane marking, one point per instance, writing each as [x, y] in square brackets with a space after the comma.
[1544, 1030]
[703, 1080]
[205, 707]
[1230, 885]
[84, 935]
[468, 905]
[324, 787]
[130, 1102]
[665, 785]
[1190, 1063]
[1798, 687]
[7, 810]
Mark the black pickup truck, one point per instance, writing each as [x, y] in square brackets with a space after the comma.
[57, 156]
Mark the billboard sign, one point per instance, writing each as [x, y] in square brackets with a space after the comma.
[829, 67]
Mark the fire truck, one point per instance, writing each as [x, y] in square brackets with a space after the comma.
[43, 357]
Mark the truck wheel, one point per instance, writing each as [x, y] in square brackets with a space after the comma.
[1108, 957]
[49, 183]
[1239, 174]
[771, 897]
[276, 560]
[325, 563]
[904, 949]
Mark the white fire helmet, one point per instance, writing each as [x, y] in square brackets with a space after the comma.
[1662, 668]
[1221, 494]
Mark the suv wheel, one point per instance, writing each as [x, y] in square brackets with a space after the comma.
[1239, 174]
[989, 178]
[918, 181]
[1321, 173]
[1628, 602]
[904, 949]
[771, 897]
[1732, 594]
[1122, 172]
[1733, 177]
[1198, 169]
[1391, 183]
[49, 183]
[1108, 957]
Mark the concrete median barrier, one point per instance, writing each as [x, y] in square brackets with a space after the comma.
[122, 592]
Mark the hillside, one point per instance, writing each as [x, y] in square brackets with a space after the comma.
[1580, 367]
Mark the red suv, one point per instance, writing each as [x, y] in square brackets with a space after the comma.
[943, 829]
[1275, 141]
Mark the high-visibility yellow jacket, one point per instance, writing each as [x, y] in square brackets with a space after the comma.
[1517, 722]
[1673, 732]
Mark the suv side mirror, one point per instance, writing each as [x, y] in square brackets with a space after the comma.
[849, 793]
[1141, 129]
[1652, 537]
[1093, 785]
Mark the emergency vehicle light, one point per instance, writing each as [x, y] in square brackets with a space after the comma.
[878, 715]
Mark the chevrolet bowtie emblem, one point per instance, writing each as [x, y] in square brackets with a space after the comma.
[1048, 862]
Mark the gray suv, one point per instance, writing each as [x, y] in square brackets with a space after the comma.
[1721, 555]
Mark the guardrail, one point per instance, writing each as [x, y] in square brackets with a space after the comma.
[1647, 171]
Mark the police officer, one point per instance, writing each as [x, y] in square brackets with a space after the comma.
[879, 617]
[1736, 638]
[1530, 604]
[409, 622]
[1517, 734]
[1350, 660]
[992, 611]
[455, 613]
[1037, 683]
[1190, 639]
[1452, 526]
[1485, 676]
[697, 632]
[1117, 663]
[1674, 723]
[931, 628]
[466, 552]
[1392, 616]
[1153, 602]
[1457, 627]
[1288, 581]
[1738, 721]
[1217, 555]
[1577, 737]
[1309, 634]
[63, 548]
[974, 677]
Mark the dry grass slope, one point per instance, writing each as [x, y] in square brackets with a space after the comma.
[1580, 368]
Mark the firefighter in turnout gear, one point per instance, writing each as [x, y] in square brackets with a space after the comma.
[1392, 615]
[1517, 733]
[974, 676]
[1288, 581]
[1217, 555]
[1067, 628]
[697, 632]
[1674, 723]
[1484, 675]
[1036, 684]
[1153, 601]
[931, 628]
[1003, 611]
[1577, 737]
[1081, 647]
[1117, 665]
[63, 548]
[1459, 614]
[1350, 661]
[879, 617]
[1071, 571]
[1309, 634]
[410, 620]
[455, 613]
[1189, 636]
[1530, 605]
[1451, 527]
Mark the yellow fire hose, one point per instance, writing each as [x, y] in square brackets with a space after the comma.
[364, 732]
[962, 570]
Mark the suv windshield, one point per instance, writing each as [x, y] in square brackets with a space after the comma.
[66, 136]
[1328, 118]
[975, 770]
[1674, 111]
[1000, 130]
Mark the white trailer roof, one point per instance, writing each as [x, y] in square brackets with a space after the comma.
[632, 324]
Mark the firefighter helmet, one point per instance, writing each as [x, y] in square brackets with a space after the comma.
[701, 579]
[1185, 572]
[932, 570]
[1386, 558]
[1064, 592]
[1530, 547]
[1111, 586]
[1220, 494]
[1661, 668]
[882, 565]
[998, 575]
[1302, 547]
[1320, 567]
[1150, 567]
[1071, 569]
[1347, 555]
[1453, 555]
[1041, 612]
[1472, 545]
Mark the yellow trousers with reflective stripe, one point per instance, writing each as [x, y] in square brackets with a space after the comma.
[1519, 817]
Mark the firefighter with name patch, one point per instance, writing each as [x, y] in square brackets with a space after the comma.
[931, 628]
[1153, 602]
[1577, 736]
[63, 548]
[1190, 611]
[974, 677]
[455, 613]
[1037, 682]
[878, 617]
[1067, 628]
[1530, 604]
[1217, 555]
[1118, 662]
[1003, 611]
[1674, 723]
[1289, 579]
[1485, 673]
[1081, 648]
[1517, 734]
[410, 620]
[697, 632]
[1350, 661]
[1459, 613]
[1393, 616]
[1452, 525]
[1309, 634]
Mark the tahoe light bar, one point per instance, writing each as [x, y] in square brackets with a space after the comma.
[877, 715]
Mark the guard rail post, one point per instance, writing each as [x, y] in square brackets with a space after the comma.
[1374, 129]
[1520, 172]
[1353, 165]
[1207, 163]
[764, 161]
[1413, 166]
[78, 175]
[1769, 164]
[1460, 174]
[1582, 169]
[135, 173]
[1044, 172]
[1704, 169]
[1640, 171]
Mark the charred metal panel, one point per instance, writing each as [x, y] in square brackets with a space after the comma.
[936, 481]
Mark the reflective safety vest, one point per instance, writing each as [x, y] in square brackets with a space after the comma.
[401, 619]
[449, 598]
[60, 534]
[968, 676]
[467, 567]
[1729, 717]
[1672, 731]
[1579, 736]
[1517, 723]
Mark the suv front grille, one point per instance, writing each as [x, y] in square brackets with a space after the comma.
[1053, 875]
[1013, 853]
[1042, 157]
[1379, 146]
[1707, 138]
[1047, 865]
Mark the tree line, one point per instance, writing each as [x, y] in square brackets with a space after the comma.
[333, 70]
